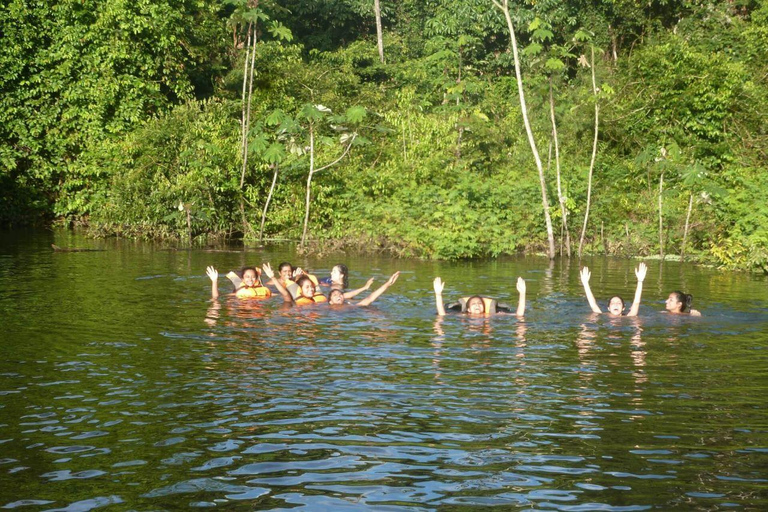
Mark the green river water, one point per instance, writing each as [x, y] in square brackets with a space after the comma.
[123, 386]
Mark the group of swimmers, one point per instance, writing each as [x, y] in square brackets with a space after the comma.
[301, 288]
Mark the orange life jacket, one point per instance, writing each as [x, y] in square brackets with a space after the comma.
[253, 292]
[316, 299]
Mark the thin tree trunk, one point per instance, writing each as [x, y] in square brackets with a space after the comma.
[379, 32]
[243, 134]
[687, 224]
[661, 223]
[309, 182]
[594, 155]
[247, 126]
[504, 7]
[313, 171]
[266, 204]
[560, 196]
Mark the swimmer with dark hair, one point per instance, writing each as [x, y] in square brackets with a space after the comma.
[337, 297]
[477, 305]
[615, 303]
[339, 280]
[247, 283]
[679, 303]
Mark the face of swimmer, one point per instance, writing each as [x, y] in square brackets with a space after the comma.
[307, 288]
[336, 297]
[475, 306]
[616, 306]
[286, 272]
[249, 277]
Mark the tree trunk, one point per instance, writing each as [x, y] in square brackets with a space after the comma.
[244, 133]
[594, 155]
[266, 204]
[309, 182]
[379, 33]
[504, 7]
[687, 224]
[661, 223]
[560, 196]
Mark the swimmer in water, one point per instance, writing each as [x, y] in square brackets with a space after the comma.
[339, 280]
[615, 303]
[337, 297]
[306, 292]
[477, 305]
[250, 286]
[678, 302]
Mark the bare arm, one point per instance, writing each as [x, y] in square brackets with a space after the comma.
[521, 300]
[381, 289]
[352, 293]
[585, 275]
[280, 288]
[439, 285]
[213, 274]
[640, 272]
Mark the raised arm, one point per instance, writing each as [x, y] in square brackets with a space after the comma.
[352, 293]
[377, 292]
[640, 272]
[439, 285]
[521, 300]
[280, 288]
[585, 275]
[213, 274]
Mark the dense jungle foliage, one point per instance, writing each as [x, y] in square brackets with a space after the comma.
[128, 116]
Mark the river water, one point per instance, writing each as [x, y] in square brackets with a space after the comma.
[124, 387]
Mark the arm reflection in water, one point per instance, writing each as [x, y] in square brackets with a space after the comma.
[637, 353]
[213, 313]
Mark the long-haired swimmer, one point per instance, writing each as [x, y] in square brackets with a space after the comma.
[679, 303]
[615, 303]
[306, 291]
[337, 297]
[476, 305]
[247, 283]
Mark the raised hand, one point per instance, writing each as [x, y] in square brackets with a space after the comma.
[439, 285]
[640, 272]
[391, 280]
[585, 275]
[369, 283]
[212, 273]
[268, 270]
[520, 285]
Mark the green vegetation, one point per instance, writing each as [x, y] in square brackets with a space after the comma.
[129, 116]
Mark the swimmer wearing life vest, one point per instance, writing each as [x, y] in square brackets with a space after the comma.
[305, 289]
[247, 285]
[477, 305]
[615, 303]
[337, 297]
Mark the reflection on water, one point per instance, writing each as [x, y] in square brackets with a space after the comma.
[118, 372]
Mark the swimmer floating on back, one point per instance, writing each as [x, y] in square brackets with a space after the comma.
[678, 302]
[477, 305]
[339, 280]
[336, 297]
[615, 303]
[247, 283]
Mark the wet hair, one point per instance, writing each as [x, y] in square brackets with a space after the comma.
[243, 270]
[482, 302]
[617, 297]
[336, 290]
[304, 277]
[284, 264]
[685, 298]
[344, 273]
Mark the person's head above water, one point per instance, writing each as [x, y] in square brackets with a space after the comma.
[336, 297]
[475, 305]
[340, 275]
[306, 286]
[285, 270]
[250, 276]
[616, 305]
[679, 302]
